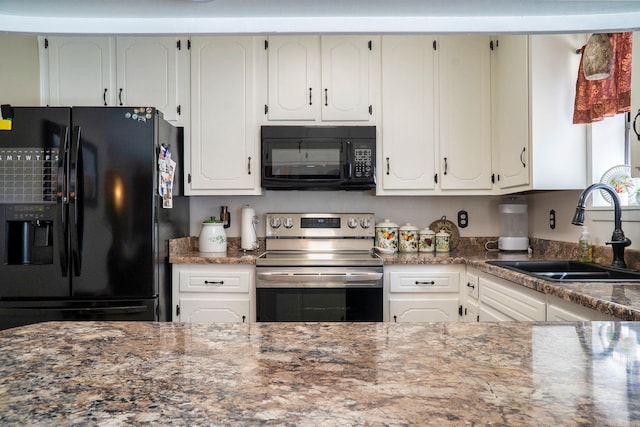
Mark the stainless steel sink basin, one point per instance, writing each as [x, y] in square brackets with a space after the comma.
[570, 271]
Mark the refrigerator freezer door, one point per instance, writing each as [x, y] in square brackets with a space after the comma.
[113, 213]
[32, 235]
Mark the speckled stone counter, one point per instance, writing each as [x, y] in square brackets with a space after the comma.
[322, 374]
[620, 301]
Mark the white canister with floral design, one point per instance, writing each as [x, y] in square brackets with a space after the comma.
[408, 238]
[387, 235]
[212, 238]
[442, 241]
[427, 240]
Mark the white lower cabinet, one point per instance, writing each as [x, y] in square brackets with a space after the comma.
[422, 293]
[213, 293]
[469, 298]
[502, 300]
[559, 310]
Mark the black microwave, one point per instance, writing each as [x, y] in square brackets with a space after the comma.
[318, 157]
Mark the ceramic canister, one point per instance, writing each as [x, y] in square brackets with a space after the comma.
[442, 241]
[426, 240]
[212, 237]
[408, 238]
[387, 235]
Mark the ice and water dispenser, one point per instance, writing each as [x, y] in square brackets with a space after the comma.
[28, 234]
[514, 229]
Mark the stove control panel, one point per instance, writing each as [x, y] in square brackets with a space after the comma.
[310, 225]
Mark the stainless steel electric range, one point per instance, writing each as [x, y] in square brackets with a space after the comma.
[319, 267]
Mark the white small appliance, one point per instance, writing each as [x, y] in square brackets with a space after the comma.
[514, 229]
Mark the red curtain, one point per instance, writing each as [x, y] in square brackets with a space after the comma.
[597, 99]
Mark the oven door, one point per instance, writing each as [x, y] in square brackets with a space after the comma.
[308, 163]
[319, 294]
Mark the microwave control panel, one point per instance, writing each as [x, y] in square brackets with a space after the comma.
[363, 158]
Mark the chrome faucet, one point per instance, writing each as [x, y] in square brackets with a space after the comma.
[618, 240]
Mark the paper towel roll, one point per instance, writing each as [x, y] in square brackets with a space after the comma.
[249, 239]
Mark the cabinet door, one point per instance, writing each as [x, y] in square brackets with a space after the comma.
[293, 77]
[224, 134]
[559, 310]
[441, 309]
[464, 112]
[80, 71]
[510, 111]
[408, 117]
[345, 77]
[147, 72]
[204, 310]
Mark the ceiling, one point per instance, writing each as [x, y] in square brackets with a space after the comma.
[316, 16]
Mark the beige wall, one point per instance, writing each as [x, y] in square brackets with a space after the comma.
[19, 70]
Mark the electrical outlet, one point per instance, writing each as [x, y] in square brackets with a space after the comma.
[463, 219]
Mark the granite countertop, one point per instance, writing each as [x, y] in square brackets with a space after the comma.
[619, 300]
[329, 374]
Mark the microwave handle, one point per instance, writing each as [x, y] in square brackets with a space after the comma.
[349, 161]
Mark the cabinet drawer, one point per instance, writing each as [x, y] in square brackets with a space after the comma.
[424, 282]
[192, 281]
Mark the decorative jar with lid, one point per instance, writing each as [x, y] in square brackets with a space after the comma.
[442, 241]
[408, 238]
[212, 237]
[387, 235]
[426, 240]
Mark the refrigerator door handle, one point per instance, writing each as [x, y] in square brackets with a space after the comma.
[62, 195]
[75, 198]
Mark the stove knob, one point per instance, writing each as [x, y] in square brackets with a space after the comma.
[288, 222]
[352, 222]
[275, 222]
[365, 223]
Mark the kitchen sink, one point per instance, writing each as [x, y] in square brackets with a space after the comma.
[570, 271]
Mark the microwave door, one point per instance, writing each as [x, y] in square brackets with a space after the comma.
[306, 161]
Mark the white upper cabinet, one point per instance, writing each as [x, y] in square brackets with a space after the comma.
[293, 77]
[535, 143]
[147, 70]
[116, 71]
[223, 157]
[464, 112]
[77, 71]
[558, 147]
[320, 78]
[407, 160]
[510, 111]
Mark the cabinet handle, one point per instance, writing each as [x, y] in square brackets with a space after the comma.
[249, 166]
[120, 96]
[310, 103]
[220, 282]
[469, 285]
[429, 282]
[388, 170]
[244, 318]
[395, 318]
[104, 97]
[446, 166]
[326, 97]
[522, 157]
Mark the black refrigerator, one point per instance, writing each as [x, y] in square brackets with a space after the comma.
[87, 206]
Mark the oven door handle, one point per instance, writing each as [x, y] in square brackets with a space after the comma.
[285, 276]
[346, 277]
